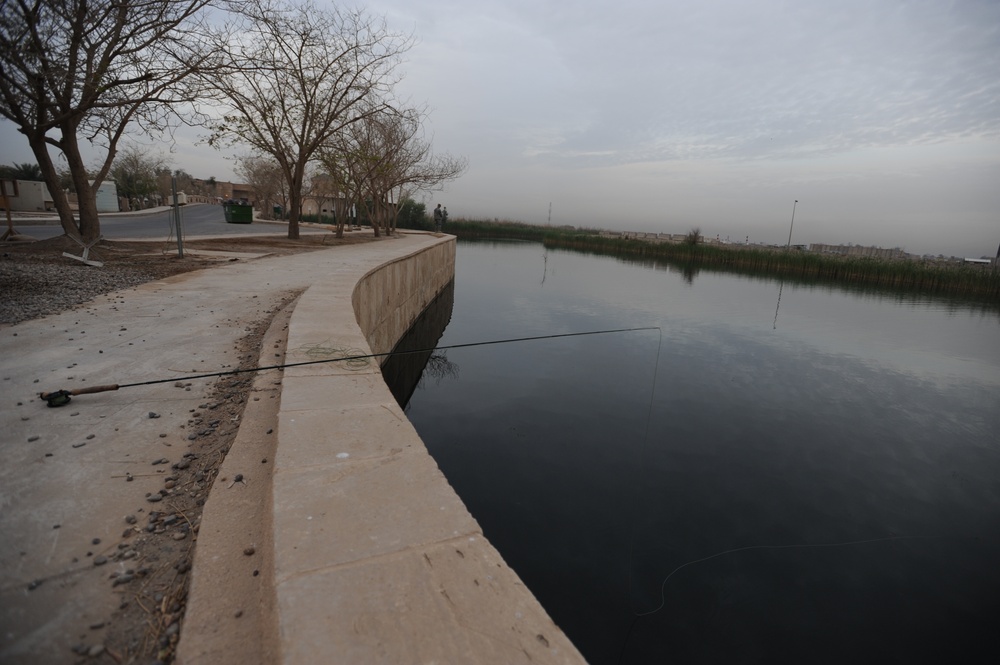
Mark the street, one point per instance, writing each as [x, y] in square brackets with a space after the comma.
[196, 220]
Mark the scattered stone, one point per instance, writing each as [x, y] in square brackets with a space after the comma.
[162, 460]
[90, 436]
[100, 560]
[153, 414]
[34, 437]
[34, 584]
[180, 535]
[154, 498]
[95, 541]
[249, 551]
[130, 519]
[79, 445]
[238, 614]
[96, 650]
[97, 626]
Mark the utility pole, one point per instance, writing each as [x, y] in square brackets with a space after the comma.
[177, 219]
[792, 225]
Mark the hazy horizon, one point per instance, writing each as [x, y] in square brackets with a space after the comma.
[882, 119]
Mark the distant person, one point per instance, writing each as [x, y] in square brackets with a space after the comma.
[444, 216]
[438, 218]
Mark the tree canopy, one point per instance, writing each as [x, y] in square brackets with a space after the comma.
[300, 85]
[73, 70]
[299, 75]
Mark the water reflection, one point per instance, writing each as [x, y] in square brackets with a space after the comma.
[414, 357]
[820, 491]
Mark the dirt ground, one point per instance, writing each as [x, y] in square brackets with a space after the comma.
[160, 258]
[147, 625]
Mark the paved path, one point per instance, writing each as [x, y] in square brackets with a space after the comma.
[63, 482]
[337, 539]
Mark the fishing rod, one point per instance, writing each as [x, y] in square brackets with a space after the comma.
[63, 397]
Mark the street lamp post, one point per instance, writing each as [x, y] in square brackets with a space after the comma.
[790, 226]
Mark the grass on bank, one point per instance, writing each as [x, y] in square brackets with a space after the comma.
[914, 275]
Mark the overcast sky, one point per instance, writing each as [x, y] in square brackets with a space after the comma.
[881, 118]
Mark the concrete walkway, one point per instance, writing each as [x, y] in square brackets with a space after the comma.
[363, 552]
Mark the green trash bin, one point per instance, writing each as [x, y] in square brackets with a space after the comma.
[238, 213]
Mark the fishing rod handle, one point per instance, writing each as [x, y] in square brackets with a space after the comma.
[94, 389]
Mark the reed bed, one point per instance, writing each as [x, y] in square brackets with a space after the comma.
[980, 282]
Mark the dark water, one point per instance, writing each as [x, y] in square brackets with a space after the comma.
[812, 482]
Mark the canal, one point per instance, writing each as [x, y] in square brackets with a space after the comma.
[778, 472]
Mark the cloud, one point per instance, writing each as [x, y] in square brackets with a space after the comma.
[879, 116]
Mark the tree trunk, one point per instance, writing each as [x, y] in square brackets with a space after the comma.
[295, 201]
[59, 199]
[340, 214]
[86, 195]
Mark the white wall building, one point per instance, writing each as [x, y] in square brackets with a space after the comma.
[27, 196]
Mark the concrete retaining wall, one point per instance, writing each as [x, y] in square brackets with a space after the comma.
[389, 299]
[370, 554]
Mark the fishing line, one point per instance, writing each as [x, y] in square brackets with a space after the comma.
[349, 359]
[663, 585]
[638, 498]
[60, 397]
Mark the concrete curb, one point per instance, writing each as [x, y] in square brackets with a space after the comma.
[375, 558]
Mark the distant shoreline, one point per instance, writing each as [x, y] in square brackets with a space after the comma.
[896, 271]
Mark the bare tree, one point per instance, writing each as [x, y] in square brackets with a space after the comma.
[301, 73]
[73, 70]
[263, 175]
[383, 159]
[135, 172]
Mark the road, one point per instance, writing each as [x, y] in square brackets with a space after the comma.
[196, 220]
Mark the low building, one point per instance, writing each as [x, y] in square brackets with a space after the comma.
[107, 197]
[28, 196]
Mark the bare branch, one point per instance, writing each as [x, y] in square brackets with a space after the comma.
[299, 75]
[79, 69]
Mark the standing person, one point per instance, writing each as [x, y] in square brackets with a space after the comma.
[438, 218]
[444, 215]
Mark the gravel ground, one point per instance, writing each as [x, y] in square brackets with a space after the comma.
[35, 289]
[36, 280]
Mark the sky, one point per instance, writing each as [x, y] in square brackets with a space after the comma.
[882, 119]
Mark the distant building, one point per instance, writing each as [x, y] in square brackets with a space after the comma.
[107, 196]
[858, 251]
[28, 196]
